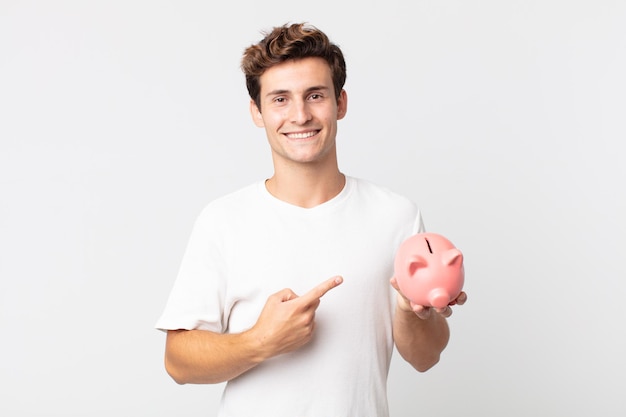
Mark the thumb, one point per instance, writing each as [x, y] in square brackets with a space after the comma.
[286, 295]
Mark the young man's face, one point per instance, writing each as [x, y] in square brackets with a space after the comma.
[299, 111]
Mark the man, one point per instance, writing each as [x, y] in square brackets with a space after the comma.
[284, 290]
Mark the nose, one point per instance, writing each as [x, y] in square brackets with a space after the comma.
[299, 112]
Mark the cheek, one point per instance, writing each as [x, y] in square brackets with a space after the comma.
[274, 119]
[331, 123]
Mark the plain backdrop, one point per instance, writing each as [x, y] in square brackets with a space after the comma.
[503, 120]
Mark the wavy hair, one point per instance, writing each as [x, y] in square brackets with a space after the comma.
[291, 42]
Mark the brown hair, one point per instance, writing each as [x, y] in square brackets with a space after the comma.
[291, 42]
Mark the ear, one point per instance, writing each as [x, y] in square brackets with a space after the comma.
[416, 262]
[451, 257]
[342, 105]
[255, 112]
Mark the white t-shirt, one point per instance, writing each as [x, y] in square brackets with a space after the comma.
[248, 245]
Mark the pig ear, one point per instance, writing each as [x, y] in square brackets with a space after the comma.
[416, 262]
[452, 257]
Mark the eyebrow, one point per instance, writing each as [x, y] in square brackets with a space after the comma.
[308, 90]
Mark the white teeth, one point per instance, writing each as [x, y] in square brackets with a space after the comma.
[301, 135]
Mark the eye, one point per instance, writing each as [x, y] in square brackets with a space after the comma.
[316, 97]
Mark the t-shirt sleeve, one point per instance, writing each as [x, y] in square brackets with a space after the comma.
[418, 226]
[196, 301]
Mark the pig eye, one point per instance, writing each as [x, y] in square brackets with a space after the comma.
[428, 243]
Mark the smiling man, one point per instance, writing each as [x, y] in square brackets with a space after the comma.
[286, 289]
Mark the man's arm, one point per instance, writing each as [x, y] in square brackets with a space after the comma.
[203, 357]
[285, 324]
[421, 333]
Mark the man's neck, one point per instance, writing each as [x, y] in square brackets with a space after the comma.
[306, 188]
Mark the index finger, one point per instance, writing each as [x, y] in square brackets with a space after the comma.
[319, 291]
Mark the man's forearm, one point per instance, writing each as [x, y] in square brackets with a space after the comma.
[420, 341]
[203, 357]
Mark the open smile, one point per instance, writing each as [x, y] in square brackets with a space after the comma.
[302, 135]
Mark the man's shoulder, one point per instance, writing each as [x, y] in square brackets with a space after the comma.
[373, 190]
[240, 199]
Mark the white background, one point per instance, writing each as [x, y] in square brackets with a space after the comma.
[504, 120]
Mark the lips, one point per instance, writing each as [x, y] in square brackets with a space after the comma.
[302, 135]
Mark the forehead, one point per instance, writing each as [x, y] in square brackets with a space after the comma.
[296, 76]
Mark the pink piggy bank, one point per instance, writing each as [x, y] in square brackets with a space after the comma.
[429, 270]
